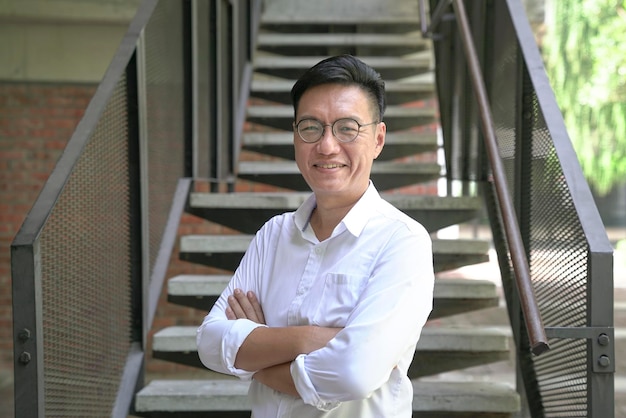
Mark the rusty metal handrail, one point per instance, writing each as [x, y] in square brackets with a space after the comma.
[530, 310]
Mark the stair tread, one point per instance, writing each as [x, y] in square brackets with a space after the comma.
[225, 251]
[230, 394]
[292, 200]
[379, 62]
[247, 211]
[379, 167]
[331, 19]
[397, 145]
[438, 339]
[240, 242]
[451, 296]
[281, 85]
[213, 285]
[332, 39]
[392, 138]
[286, 111]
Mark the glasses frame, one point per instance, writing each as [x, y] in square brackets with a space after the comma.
[296, 127]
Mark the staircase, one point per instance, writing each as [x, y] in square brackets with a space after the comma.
[295, 35]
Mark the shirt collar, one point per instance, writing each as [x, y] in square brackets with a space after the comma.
[303, 214]
[354, 221]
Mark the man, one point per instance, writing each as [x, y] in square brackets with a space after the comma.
[325, 309]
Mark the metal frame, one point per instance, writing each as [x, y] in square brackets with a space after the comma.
[25, 249]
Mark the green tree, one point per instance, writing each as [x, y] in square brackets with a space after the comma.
[585, 57]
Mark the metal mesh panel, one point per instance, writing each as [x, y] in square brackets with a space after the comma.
[164, 65]
[558, 261]
[554, 239]
[85, 268]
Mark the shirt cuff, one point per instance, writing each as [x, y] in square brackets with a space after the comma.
[305, 387]
[232, 342]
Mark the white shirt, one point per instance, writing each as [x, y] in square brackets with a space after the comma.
[373, 277]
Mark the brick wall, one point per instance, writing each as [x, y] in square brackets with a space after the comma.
[36, 121]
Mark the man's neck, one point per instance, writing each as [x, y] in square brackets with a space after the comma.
[328, 213]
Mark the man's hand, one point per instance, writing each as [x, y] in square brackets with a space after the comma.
[265, 347]
[244, 306]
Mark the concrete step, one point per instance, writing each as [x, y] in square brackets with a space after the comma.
[439, 349]
[225, 251]
[397, 145]
[246, 212]
[227, 398]
[320, 44]
[342, 16]
[386, 175]
[397, 118]
[415, 40]
[398, 92]
[390, 68]
[451, 296]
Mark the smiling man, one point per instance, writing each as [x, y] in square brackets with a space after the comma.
[326, 308]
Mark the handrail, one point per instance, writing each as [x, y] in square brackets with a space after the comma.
[530, 310]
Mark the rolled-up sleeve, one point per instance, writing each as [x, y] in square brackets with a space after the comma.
[380, 333]
[219, 340]
[305, 387]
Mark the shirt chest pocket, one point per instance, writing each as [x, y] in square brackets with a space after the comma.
[339, 297]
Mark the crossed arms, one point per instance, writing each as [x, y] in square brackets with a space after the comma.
[373, 335]
[271, 350]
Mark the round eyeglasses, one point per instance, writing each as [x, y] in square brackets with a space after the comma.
[345, 130]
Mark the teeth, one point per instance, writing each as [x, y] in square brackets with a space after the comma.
[329, 165]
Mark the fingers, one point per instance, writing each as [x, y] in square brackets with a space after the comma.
[230, 314]
[235, 307]
[244, 306]
[256, 306]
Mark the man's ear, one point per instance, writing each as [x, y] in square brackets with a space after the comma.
[381, 131]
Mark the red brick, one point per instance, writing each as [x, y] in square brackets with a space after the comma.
[12, 155]
[30, 116]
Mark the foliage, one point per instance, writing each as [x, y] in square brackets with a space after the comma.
[586, 62]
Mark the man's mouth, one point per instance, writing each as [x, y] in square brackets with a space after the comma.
[328, 166]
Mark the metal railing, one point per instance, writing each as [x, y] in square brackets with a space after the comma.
[530, 310]
[89, 261]
[554, 256]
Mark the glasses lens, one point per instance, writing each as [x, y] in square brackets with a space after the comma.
[310, 130]
[346, 130]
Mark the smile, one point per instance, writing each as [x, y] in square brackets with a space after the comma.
[329, 165]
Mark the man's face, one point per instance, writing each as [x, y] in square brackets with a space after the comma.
[331, 168]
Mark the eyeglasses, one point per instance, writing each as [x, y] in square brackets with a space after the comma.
[345, 130]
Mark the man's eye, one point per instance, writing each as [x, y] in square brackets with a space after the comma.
[347, 129]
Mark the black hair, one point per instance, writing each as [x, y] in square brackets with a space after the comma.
[342, 69]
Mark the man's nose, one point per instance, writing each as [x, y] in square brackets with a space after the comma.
[327, 144]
